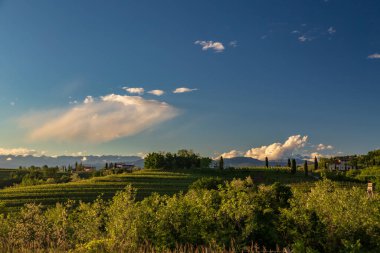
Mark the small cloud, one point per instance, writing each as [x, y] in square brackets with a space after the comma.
[233, 43]
[12, 103]
[324, 147]
[139, 91]
[331, 30]
[156, 92]
[88, 99]
[304, 38]
[295, 32]
[231, 154]
[73, 102]
[374, 56]
[206, 45]
[183, 90]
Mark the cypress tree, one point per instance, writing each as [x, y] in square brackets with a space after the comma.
[266, 162]
[294, 166]
[316, 163]
[289, 163]
[221, 163]
[305, 167]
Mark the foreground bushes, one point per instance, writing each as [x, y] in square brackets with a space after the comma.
[234, 215]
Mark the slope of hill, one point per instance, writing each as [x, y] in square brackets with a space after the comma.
[145, 181]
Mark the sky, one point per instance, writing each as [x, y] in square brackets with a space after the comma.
[232, 78]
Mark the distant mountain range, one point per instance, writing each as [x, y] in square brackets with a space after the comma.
[240, 162]
[11, 161]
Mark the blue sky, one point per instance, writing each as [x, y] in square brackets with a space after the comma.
[263, 71]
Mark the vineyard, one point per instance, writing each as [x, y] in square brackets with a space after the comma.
[145, 181]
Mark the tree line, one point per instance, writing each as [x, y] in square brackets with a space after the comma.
[183, 159]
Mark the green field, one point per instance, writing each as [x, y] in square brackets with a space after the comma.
[145, 181]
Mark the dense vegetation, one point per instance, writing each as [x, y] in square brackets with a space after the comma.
[183, 159]
[236, 214]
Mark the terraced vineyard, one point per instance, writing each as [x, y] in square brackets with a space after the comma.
[146, 182]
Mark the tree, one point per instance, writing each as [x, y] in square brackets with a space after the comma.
[294, 166]
[315, 163]
[266, 162]
[221, 163]
[289, 163]
[305, 167]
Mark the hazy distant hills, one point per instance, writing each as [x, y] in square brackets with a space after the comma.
[10, 161]
[240, 162]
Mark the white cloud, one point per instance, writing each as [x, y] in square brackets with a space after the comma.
[19, 151]
[111, 117]
[231, 154]
[88, 99]
[277, 151]
[12, 103]
[374, 56]
[139, 91]
[331, 30]
[304, 38]
[324, 147]
[156, 92]
[206, 45]
[183, 90]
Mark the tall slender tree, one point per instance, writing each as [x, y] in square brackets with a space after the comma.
[316, 165]
[294, 166]
[266, 162]
[305, 167]
[289, 163]
[221, 163]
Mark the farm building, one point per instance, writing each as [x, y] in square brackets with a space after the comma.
[340, 165]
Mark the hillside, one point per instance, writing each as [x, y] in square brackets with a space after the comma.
[146, 182]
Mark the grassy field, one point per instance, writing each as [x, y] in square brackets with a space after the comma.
[146, 182]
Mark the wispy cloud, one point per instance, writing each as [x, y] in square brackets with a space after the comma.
[206, 45]
[233, 43]
[304, 38]
[331, 30]
[104, 119]
[19, 151]
[138, 91]
[183, 90]
[374, 56]
[156, 92]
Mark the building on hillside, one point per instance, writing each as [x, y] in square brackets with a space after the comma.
[89, 168]
[340, 165]
[124, 166]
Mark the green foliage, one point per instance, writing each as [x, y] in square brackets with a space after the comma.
[184, 159]
[208, 183]
[329, 219]
[230, 216]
